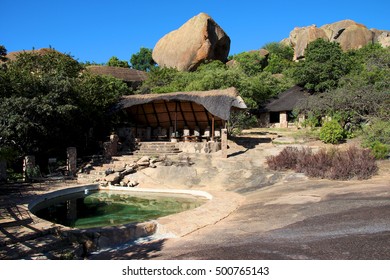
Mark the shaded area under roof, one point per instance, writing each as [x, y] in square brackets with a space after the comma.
[286, 100]
[124, 74]
[184, 109]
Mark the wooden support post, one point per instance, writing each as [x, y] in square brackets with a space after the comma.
[212, 128]
[224, 143]
[71, 155]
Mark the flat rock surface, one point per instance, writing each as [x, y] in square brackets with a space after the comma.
[292, 217]
[257, 213]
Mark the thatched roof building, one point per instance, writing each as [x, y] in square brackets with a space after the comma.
[277, 112]
[126, 74]
[182, 109]
[286, 100]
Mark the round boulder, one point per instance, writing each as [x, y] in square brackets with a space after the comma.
[198, 40]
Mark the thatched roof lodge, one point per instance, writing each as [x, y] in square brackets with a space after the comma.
[130, 76]
[182, 110]
[277, 112]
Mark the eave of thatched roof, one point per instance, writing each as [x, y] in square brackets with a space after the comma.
[217, 102]
[286, 100]
[13, 55]
[125, 74]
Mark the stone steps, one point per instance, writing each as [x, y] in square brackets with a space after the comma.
[157, 148]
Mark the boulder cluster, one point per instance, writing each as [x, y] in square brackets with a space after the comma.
[201, 39]
[122, 176]
[349, 34]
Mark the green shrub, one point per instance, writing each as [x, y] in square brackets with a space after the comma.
[379, 150]
[331, 132]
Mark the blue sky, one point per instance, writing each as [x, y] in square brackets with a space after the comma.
[94, 30]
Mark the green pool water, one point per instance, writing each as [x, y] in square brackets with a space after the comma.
[111, 208]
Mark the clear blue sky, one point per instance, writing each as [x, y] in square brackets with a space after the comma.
[94, 30]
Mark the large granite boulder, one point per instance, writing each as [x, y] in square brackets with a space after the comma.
[382, 37]
[301, 37]
[349, 34]
[199, 39]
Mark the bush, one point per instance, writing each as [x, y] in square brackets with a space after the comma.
[333, 164]
[287, 159]
[376, 136]
[379, 150]
[331, 132]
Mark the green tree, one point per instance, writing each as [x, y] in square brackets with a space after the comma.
[324, 65]
[280, 50]
[115, 62]
[251, 63]
[143, 60]
[46, 104]
[3, 53]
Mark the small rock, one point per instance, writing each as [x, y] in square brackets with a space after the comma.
[109, 171]
[120, 169]
[144, 161]
[113, 178]
[127, 171]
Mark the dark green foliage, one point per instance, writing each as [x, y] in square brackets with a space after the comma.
[3, 53]
[376, 136]
[240, 120]
[47, 104]
[380, 150]
[115, 62]
[353, 163]
[280, 58]
[251, 63]
[215, 75]
[324, 65]
[143, 60]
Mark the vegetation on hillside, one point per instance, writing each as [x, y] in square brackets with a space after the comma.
[47, 101]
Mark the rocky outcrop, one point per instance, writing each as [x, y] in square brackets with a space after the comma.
[349, 34]
[199, 39]
[382, 37]
[301, 37]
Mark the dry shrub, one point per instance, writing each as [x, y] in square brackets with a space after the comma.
[354, 163]
[287, 159]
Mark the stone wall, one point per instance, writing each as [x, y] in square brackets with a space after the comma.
[199, 147]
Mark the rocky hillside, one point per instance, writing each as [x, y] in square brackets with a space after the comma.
[350, 35]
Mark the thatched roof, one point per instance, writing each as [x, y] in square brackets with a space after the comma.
[217, 102]
[13, 55]
[286, 100]
[125, 74]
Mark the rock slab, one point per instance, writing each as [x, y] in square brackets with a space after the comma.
[198, 40]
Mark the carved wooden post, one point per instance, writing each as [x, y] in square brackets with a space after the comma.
[28, 167]
[114, 139]
[224, 142]
[71, 155]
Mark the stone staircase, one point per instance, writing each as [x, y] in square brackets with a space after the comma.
[156, 149]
